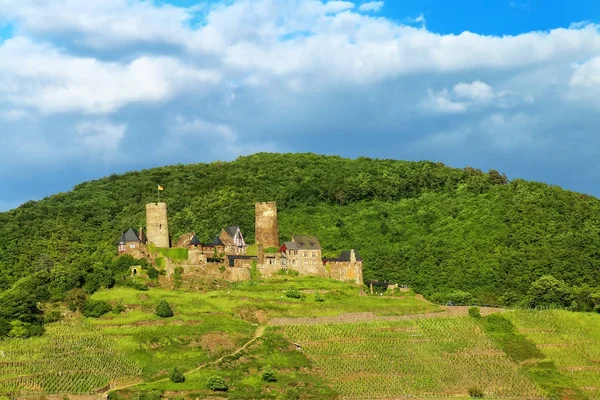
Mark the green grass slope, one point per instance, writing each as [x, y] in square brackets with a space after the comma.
[423, 224]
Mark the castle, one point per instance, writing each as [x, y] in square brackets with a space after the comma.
[227, 257]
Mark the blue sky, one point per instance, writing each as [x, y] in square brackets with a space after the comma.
[102, 86]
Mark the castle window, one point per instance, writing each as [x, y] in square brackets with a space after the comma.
[314, 254]
[132, 246]
[306, 254]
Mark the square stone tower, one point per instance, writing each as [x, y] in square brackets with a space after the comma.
[157, 226]
[266, 229]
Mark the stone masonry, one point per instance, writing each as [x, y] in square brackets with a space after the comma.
[266, 229]
[157, 227]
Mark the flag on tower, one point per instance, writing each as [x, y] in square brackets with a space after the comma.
[160, 187]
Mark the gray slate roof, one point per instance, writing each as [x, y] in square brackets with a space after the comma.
[307, 242]
[344, 256]
[131, 235]
[216, 242]
[194, 241]
[291, 245]
[231, 230]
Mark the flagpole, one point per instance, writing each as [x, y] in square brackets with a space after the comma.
[158, 192]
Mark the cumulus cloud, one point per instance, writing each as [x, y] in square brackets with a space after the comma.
[371, 6]
[100, 137]
[42, 77]
[310, 75]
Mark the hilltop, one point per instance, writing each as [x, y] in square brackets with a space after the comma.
[435, 228]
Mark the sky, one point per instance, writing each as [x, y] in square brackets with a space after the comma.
[95, 87]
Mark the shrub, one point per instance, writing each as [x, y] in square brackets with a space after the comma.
[222, 268]
[75, 299]
[474, 312]
[118, 309]
[176, 375]
[163, 309]
[152, 272]
[19, 329]
[135, 284]
[217, 384]
[52, 316]
[269, 376]
[548, 291]
[5, 327]
[148, 395]
[475, 392]
[319, 298]
[292, 293]
[95, 308]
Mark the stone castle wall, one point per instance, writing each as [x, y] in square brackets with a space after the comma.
[267, 229]
[157, 226]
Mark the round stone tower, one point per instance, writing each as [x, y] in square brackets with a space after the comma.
[267, 230]
[157, 226]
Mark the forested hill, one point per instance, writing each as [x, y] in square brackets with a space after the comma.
[423, 224]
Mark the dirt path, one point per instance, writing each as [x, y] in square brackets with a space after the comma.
[259, 332]
[447, 311]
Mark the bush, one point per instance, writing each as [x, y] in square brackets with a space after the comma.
[24, 330]
[217, 384]
[52, 316]
[319, 298]
[95, 308]
[474, 312]
[549, 292]
[152, 272]
[292, 293]
[475, 392]
[163, 309]
[176, 375]
[75, 299]
[269, 376]
[148, 395]
[135, 285]
[118, 309]
[5, 327]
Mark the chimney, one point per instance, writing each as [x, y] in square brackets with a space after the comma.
[352, 256]
[141, 234]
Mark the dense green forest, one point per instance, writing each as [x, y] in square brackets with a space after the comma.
[434, 228]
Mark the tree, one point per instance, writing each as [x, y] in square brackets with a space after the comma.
[217, 384]
[269, 376]
[95, 308]
[176, 375]
[163, 309]
[548, 291]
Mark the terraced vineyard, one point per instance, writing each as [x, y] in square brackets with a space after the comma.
[73, 358]
[440, 357]
[570, 340]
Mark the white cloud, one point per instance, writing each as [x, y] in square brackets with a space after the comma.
[40, 76]
[100, 137]
[100, 23]
[587, 75]
[476, 90]
[371, 6]
[249, 75]
[337, 6]
[204, 129]
[13, 115]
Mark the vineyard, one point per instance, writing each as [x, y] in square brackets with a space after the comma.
[439, 357]
[571, 340]
[69, 358]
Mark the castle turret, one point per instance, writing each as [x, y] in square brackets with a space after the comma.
[267, 230]
[157, 226]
